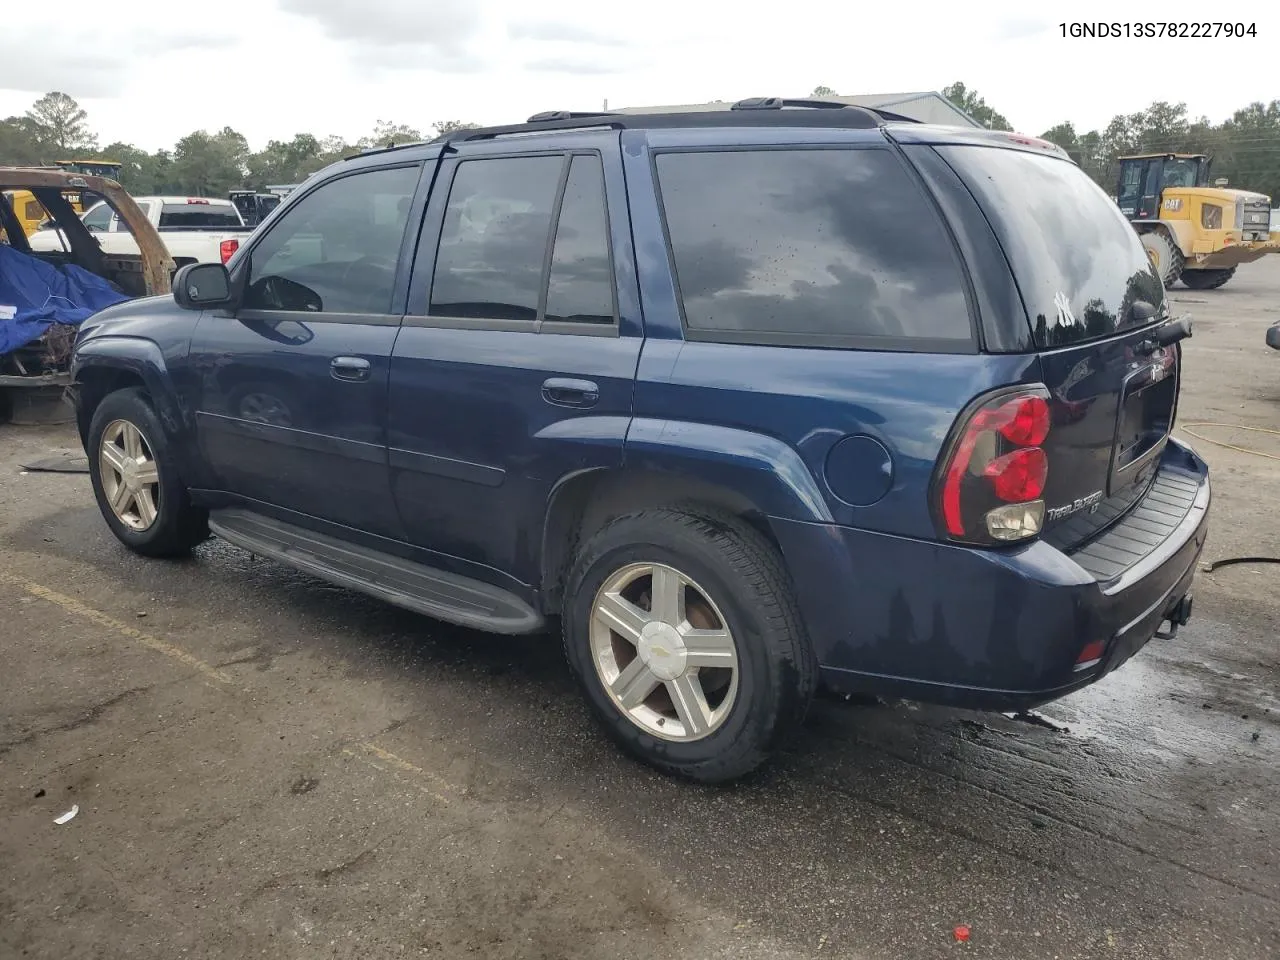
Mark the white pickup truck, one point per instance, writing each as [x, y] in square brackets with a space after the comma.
[194, 229]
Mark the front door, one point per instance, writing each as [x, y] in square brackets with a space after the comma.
[515, 364]
[292, 389]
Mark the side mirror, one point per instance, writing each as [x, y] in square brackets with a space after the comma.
[201, 286]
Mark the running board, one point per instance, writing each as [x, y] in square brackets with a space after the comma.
[414, 586]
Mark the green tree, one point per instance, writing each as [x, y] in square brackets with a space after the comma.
[1064, 135]
[1248, 153]
[288, 161]
[971, 103]
[821, 91]
[210, 164]
[141, 173]
[385, 134]
[443, 128]
[17, 144]
[61, 124]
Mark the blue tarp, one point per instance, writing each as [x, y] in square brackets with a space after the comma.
[34, 295]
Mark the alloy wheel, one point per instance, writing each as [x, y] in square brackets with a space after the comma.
[664, 652]
[130, 475]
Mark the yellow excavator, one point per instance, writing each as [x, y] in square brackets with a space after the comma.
[1193, 231]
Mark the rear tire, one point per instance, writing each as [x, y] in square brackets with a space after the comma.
[707, 683]
[1164, 255]
[136, 481]
[1207, 279]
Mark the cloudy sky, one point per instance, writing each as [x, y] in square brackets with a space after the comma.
[271, 68]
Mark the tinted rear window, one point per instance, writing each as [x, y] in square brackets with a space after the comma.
[1077, 260]
[198, 215]
[809, 246]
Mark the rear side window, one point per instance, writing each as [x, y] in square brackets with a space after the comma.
[819, 246]
[99, 217]
[494, 242]
[209, 215]
[501, 224]
[1078, 262]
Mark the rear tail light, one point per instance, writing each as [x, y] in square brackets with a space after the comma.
[988, 488]
[226, 248]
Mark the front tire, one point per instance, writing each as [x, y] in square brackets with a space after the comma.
[1207, 279]
[136, 481]
[1164, 256]
[683, 630]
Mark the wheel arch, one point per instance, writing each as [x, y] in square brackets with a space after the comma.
[106, 364]
[713, 469]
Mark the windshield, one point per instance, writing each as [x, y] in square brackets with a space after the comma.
[1078, 263]
[1181, 173]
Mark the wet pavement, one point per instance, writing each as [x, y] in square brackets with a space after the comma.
[266, 765]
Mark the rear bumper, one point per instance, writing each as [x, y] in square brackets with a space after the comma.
[989, 629]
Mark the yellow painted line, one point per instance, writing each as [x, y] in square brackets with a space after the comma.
[370, 753]
[86, 612]
[373, 752]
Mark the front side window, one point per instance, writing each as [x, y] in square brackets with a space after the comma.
[810, 246]
[494, 240]
[98, 219]
[336, 250]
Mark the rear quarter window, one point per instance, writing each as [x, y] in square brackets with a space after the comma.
[1078, 263]
[823, 247]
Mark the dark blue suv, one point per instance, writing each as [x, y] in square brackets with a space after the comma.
[750, 402]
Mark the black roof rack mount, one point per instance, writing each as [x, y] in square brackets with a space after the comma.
[546, 116]
[777, 103]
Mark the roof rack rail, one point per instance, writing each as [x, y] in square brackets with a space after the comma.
[777, 103]
[366, 151]
[546, 116]
[754, 111]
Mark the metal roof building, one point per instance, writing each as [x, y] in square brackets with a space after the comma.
[925, 106]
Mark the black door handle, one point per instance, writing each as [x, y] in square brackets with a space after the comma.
[567, 392]
[349, 368]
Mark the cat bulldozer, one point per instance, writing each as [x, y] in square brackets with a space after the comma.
[1193, 231]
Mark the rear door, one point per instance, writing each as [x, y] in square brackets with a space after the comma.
[1092, 298]
[515, 365]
